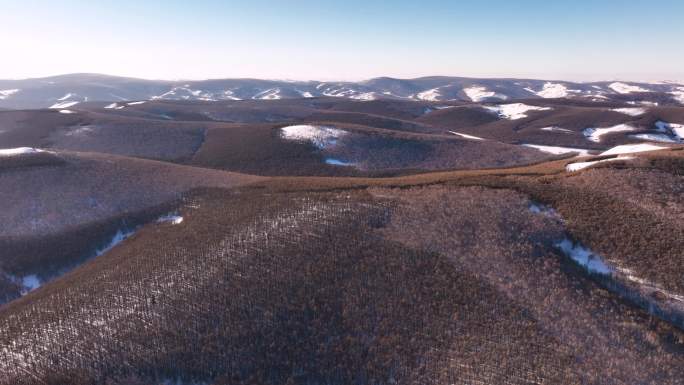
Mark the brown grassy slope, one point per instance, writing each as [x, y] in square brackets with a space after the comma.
[333, 287]
[81, 199]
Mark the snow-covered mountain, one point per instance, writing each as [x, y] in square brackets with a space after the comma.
[69, 90]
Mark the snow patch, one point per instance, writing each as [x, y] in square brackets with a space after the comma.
[320, 136]
[19, 151]
[630, 111]
[136, 103]
[270, 94]
[364, 96]
[572, 167]
[554, 90]
[337, 162]
[595, 134]
[66, 112]
[479, 93]
[558, 150]
[655, 138]
[514, 111]
[624, 88]
[557, 129]
[432, 95]
[632, 148]
[173, 219]
[4, 94]
[62, 105]
[465, 135]
[672, 128]
[584, 257]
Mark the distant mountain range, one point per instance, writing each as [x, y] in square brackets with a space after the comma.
[68, 90]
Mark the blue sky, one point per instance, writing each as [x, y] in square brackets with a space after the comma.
[345, 40]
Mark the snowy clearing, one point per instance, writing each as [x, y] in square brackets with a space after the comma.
[479, 93]
[572, 167]
[66, 112]
[557, 129]
[635, 111]
[29, 283]
[671, 128]
[320, 136]
[678, 94]
[632, 148]
[19, 151]
[4, 94]
[62, 105]
[584, 257]
[465, 135]
[595, 134]
[623, 88]
[514, 111]
[558, 150]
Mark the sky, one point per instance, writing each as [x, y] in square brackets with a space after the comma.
[344, 40]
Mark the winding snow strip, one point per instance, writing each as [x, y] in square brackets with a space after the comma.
[63, 105]
[595, 134]
[558, 150]
[19, 151]
[623, 88]
[632, 148]
[572, 167]
[630, 111]
[4, 94]
[514, 111]
[320, 136]
[479, 93]
[65, 97]
[673, 128]
[465, 135]
[135, 103]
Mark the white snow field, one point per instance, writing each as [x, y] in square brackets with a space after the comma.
[270, 94]
[595, 134]
[678, 94]
[66, 112]
[514, 111]
[671, 128]
[19, 151]
[633, 111]
[632, 148]
[364, 96]
[558, 150]
[466, 136]
[4, 94]
[572, 167]
[623, 88]
[62, 105]
[479, 93]
[320, 136]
